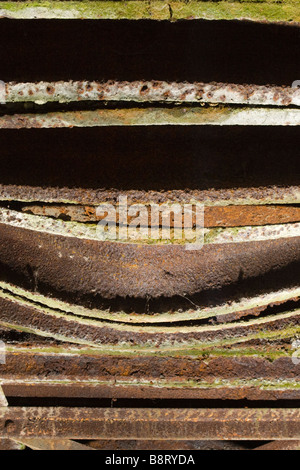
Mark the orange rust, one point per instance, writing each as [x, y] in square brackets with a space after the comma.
[232, 216]
[216, 216]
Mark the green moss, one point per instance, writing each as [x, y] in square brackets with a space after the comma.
[156, 10]
[189, 347]
[212, 234]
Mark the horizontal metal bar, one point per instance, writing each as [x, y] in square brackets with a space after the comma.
[179, 116]
[154, 10]
[222, 216]
[150, 91]
[156, 391]
[220, 313]
[166, 445]
[63, 327]
[64, 371]
[183, 370]
[236, 234]
[263, 195]
[129, 270]
[147, 423]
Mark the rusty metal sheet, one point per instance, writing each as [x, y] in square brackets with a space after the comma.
[147, 423]
[179, 116]
[150, 91]
[111, 269]
[262, 368]
[66, 373]
[63, 327]
[212, 197]
[268, 11]
[228, 311]
[165, 445]
[222, 216]
[225, 391]
[65, 228]
[88, 318]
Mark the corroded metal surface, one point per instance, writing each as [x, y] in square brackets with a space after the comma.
[154, 10]
[123, 233]
[112, 269]
[164, 445]
[224, 216]
[213, 116]
[220, 312]
[151, 91]
[67, 372]
[213, 197]
[147, 423]
[212, 391]
[92, 320]
[92, 333]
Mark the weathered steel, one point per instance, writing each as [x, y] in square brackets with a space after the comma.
[150, 91]
[111, 269]
[224, 216]
[67, 372]
[86, 318]
[227, 311]
[20, 314]
[42, 365]
[235, 216]
[287, 11]
[236, 234]
[147, 423]
[213, 197]
[179, 116]
[269, 391]
[165, 445]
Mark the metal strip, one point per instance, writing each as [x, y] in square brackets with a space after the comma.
[111, 269]
[212, 116]
[157, 391]
[212, 197]
[148, 423]
[154, 10]
[151, 91]
[222, 216]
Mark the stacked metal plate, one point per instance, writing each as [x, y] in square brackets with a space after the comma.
[123, 329]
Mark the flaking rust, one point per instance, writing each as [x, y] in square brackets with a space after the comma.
[84, 315]
[151, 91]
[180, 116]
[223, 216]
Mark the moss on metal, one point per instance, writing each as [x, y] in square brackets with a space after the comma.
[272, 11]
